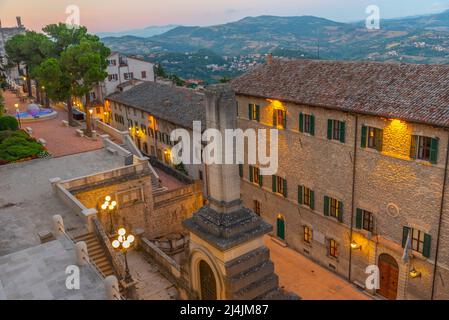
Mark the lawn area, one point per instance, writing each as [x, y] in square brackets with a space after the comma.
[17, 145]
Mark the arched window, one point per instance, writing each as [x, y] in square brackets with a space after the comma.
[207, 282]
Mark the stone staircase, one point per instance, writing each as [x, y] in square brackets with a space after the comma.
[96, 254]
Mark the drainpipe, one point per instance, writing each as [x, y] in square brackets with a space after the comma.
[353, 193]
[440, 221]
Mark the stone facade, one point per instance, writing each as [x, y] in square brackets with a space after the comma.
[396, 189]
[7, 33]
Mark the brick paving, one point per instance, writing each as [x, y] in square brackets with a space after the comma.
[307, 279]
[61, 140]
[168, 181]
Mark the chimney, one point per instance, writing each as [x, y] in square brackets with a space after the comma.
[19, 22]
[269, 59]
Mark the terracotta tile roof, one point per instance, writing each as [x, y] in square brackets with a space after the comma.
[411, 92]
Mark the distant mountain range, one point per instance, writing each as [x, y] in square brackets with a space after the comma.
[421, 39]
[143, 33]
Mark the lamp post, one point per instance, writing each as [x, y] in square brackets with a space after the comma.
[18, 114]
[123, 243]
[109, 206]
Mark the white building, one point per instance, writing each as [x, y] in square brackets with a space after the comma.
[6, 34]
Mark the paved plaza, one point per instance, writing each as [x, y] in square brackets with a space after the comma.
[307, 279]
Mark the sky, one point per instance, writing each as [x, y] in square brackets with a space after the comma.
[119, 15]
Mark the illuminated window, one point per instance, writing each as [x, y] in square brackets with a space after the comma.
[144, 128]
[253, 112]
[308, 234]
[306, 196]
[333, 248]
[333, 208]
[280, 185]
[279, 119]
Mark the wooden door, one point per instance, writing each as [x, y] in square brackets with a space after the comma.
[389, 275]
[281, 228]
[207, 282]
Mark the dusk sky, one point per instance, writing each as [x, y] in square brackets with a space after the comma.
[117, 15]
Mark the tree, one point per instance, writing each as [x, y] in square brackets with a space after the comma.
[64, 36]
[2, 106]
[86, 65]
[32, 49]
[160, 72]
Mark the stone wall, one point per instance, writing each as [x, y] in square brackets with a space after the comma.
[397, 190]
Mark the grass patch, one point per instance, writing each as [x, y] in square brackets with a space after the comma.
[18, 145]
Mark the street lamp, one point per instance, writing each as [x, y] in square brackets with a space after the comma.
[18, 114]
[109, 205]
[123, 243]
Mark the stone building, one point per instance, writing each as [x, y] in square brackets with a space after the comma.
[7, 33]
[362, 167]
[151, 111]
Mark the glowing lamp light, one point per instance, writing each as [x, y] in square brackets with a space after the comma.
[126, 244]
[131, 238]
[111, 207]
[104, 206]
[414, 273]
[122, 231]
[16, 106]
[115, 244]
[91, 111]
[355, 245]
[108, 198]
[114, 203]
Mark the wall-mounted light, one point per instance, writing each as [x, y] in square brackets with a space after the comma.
[414, 273]
[355, 245]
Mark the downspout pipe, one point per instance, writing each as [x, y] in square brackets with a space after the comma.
[440, 221]
[354, 162]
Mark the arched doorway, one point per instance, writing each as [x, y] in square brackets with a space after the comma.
[280, 230]
[208, 284]
[389, 276]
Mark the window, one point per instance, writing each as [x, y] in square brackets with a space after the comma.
[128, 75]
[144, 74]
[200, 174]
[333, 248]
[372, 138]
[420, 241]
[280, 185]
[112, 62]
[241, 170]
[308, 234]
[143, 128]
[424, 148]
[257, 207]
[336, 130]
[253, 112]
[151, 132]
[113, 77]
[280, 119]
[306, 197]
[307, 123]
[333, 208]
[254, 175]
[364, 220]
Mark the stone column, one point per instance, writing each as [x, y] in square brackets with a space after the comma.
[225, 235]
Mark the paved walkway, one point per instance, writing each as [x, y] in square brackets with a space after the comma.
[307, 279]
[61, 140]
[152, 285]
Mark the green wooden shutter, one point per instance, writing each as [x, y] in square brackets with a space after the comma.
[413, 147]
[241, 170]
[379, 139]
[312, 125]
[434, 150]
[250, 111]
[260, 178]
[340, 213]
[285, 187]
[326, 205]
[329, 129]
[251, 174]
[364, 136]
[427, 243]
[274, 183]
[405, 231]
[275, 122]
[300, 193]
[312, 200]
[359, 219]
[284, 117]
[258, 113]
[342, 132]
[301, 122]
